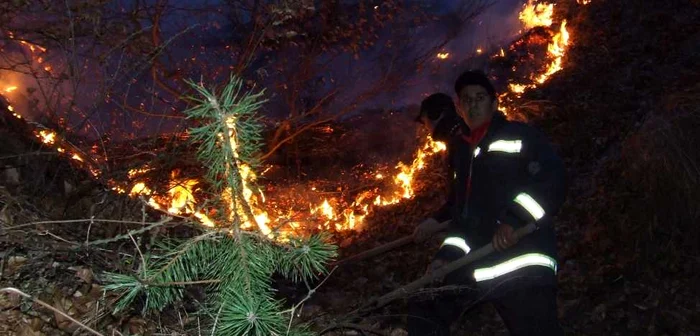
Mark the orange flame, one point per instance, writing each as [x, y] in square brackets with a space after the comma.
[330, 213]
[365, 202]
[556, 49]
[536, 14]
[47, 137]
[532, 15]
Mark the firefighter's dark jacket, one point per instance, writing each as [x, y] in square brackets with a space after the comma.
[516, 178]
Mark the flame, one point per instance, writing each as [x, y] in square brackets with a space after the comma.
[12, 109]
[536, 14]
[137, 171]
[47, 137]
[179, 199]
[556, 49]
[33, 47]
[329, 213]
[533, 15]
[10, 89]
[367, 200]
[517, 88]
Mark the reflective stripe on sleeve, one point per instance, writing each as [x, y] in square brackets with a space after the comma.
[457, 242]
[530, 259]
[529, 204]
[507, 146]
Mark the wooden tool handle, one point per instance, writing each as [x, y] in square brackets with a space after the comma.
[444, 270]
[386, 247]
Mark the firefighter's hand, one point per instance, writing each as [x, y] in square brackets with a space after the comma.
[434, 265]
[504, 237]
[426, 229]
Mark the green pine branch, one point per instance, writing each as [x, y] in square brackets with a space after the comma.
[236, 266]
[231, 136]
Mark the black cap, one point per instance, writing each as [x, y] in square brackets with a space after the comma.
[474, 77]
[435, 106]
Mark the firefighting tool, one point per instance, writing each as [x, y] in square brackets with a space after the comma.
[441, 272]
[383, 248]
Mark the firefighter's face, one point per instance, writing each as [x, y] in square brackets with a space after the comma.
[476, 106]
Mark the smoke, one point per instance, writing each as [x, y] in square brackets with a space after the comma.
[496, 27]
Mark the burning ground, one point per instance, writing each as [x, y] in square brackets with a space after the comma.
[622, 106]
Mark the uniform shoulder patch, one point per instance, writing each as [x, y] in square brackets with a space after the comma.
[534, 167]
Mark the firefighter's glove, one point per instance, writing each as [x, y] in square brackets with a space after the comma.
[434, 265]
[426, 229]
[504, 237]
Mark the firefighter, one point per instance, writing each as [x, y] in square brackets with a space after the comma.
[438, 115]
[509, 177]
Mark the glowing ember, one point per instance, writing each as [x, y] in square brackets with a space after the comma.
[517, 88]
[204, 219]
[536, 14]
[365, 201]
[479, 50]
[47, 137]
[136, 172]
[139, 189]
[443, 55]
[325, 210]
[10, 89]
[181, 199]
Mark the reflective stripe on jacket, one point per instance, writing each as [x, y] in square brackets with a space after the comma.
[516, 178]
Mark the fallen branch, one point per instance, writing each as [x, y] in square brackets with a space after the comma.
[50, 307]
[310, 293]
[85, 220]
[132, 232]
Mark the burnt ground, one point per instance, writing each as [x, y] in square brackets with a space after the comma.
[623, 114]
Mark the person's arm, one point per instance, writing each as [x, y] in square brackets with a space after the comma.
[544, 191]
[439, 220]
